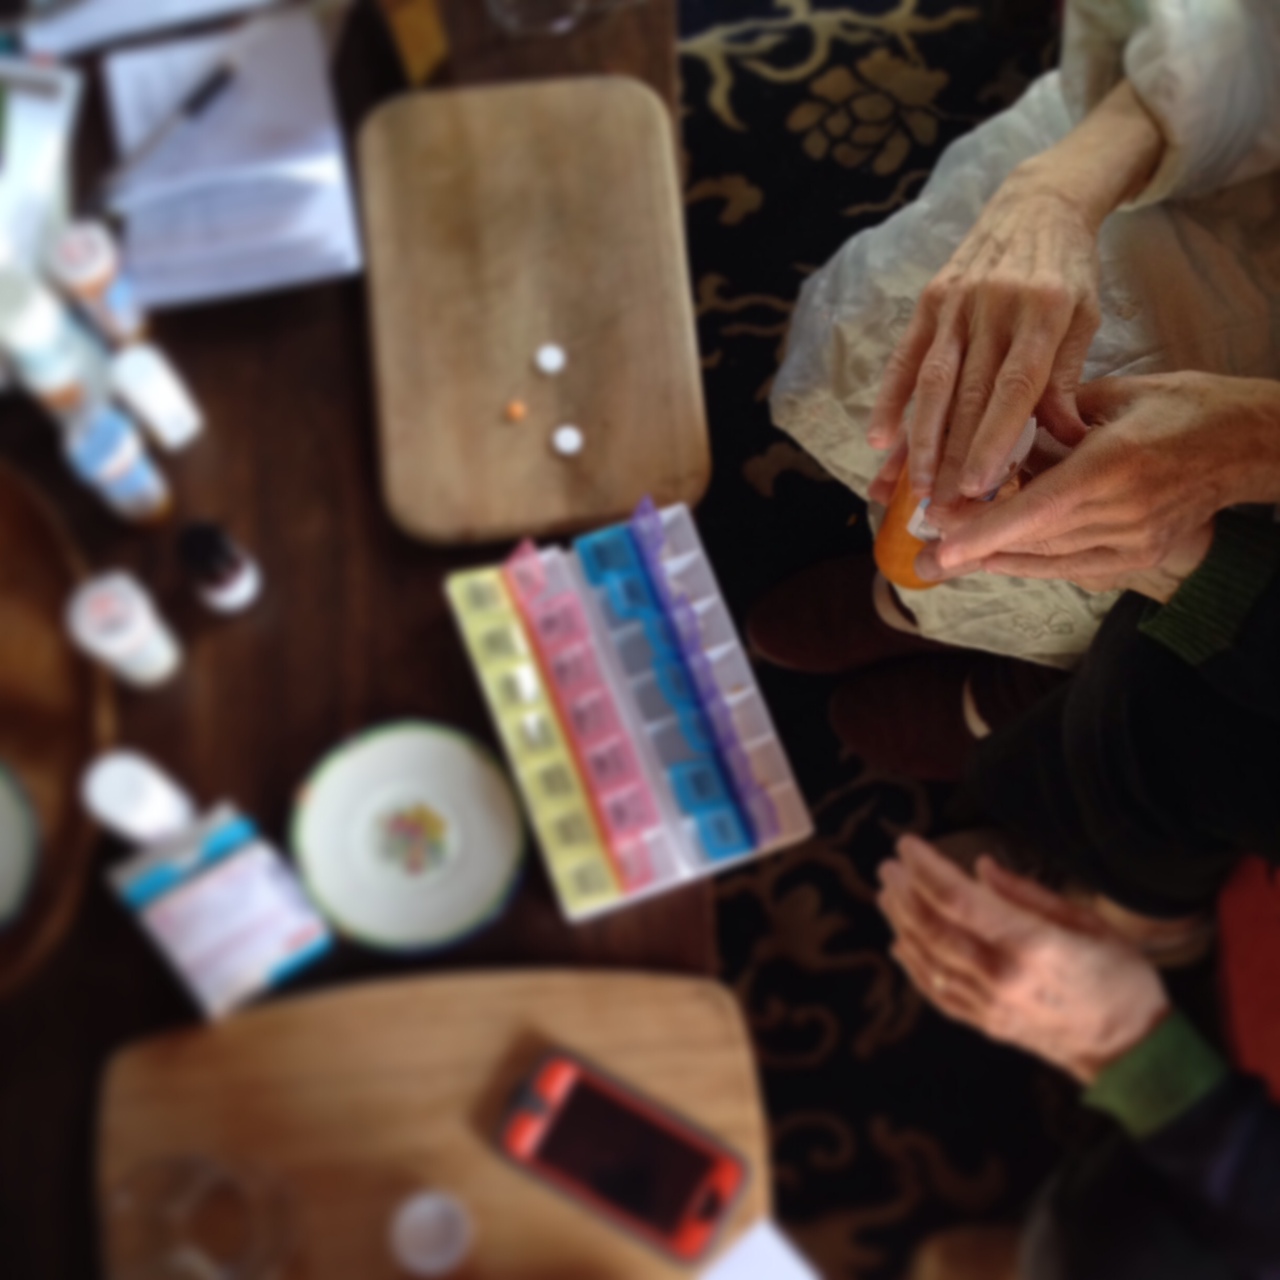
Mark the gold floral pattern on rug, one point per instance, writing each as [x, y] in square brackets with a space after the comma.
[712, 299]
[894, 200]
[844, 1240]
[807, 933]
[872, 115]
[782, 458]
[747, 46]
[741, 198]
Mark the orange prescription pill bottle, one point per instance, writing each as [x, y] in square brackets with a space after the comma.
[896, 545]
[906, 530]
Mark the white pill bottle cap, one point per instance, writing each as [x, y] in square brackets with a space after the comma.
[431, 1234]
[84, 254]
[134, 798]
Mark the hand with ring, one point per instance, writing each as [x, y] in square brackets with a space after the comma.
[1017, 962]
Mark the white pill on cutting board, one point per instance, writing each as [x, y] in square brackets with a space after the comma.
[567, 440]
[550, 358]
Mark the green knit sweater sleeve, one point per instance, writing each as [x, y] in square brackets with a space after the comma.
[1161, 1077]
[1204, 616]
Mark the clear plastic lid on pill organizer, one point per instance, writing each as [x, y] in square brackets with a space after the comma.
[606, 748]
[653, 755]
[673, 728]
[550, 782]
[743, 729]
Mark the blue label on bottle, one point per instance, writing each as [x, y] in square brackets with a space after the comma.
[97, 441]
[106, 452]
[140, 486]
[121, 305]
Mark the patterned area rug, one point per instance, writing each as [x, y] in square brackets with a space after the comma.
[805, 121]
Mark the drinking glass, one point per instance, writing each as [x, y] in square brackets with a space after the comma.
[191, 1218]
[537, 17]
[548, 17]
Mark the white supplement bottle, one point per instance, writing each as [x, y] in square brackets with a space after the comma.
[112, 618]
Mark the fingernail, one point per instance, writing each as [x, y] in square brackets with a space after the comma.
[927, 567]
[908, 850]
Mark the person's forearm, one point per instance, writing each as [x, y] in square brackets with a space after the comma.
[1208, 1133]
[1162, 583]
[1253, 470]
[1105, 160]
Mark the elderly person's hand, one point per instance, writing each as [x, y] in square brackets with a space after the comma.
[1139, 493]
[1002, 331]
[1002, 328]
[1017, 962]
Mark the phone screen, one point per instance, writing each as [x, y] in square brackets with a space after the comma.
[644, 1170]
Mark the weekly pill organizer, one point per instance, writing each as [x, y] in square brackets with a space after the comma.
[628, 710]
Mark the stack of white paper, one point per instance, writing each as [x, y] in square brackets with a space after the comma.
[93, 23]
[762, 1253]
[251, 194]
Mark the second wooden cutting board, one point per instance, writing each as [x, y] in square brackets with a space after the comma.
[500, 219]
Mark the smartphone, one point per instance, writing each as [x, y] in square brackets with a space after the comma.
[623, 1156]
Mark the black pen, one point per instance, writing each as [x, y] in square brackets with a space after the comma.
[193, 105]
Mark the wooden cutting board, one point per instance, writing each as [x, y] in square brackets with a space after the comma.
[355, 1098]
[56, 712]
[499, 219]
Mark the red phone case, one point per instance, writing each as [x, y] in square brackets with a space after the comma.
[534, 1110]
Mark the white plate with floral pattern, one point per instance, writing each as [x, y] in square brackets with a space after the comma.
[409, 836]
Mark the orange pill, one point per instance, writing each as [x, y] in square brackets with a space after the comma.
[516, 411]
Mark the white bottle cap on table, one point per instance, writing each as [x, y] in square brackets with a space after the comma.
[83, 254]
[431, 1234]
[134, 798]
[148, 385]
[237, 594]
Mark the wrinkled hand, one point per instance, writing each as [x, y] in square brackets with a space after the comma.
[1000, 333]
[1017, 962]
[1159, 582]
[1166, 454]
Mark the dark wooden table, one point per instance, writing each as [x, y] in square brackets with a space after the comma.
[352, 630]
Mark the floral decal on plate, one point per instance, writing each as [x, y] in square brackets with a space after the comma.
[414, 838]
